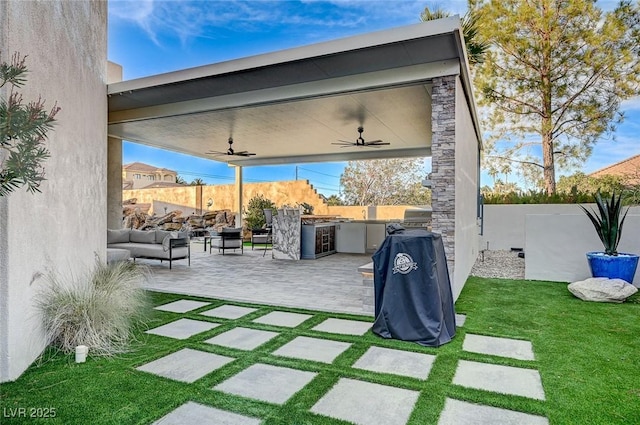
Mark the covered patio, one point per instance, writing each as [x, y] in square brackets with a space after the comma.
[408, 86]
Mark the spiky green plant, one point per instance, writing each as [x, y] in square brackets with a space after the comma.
[23, 132]
[98, 310]
[608, 222]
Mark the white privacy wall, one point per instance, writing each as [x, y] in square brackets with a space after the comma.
[466, 207]
[62, 228]
[555, 238]
[556, 245]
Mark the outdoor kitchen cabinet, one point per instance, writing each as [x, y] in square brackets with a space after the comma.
[317, 240]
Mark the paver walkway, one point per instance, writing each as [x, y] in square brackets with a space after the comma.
[354, 400]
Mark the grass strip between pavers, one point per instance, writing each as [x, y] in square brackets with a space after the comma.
[588, 355]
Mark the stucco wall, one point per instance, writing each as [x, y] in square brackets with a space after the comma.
[466, 211]
[504, 225]
[284, 192]
[223, 196]
[556, 244]
[54, 230]
[379, 212]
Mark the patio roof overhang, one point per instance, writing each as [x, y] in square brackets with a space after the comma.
[289, 106]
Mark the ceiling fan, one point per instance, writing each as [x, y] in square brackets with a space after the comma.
[361, 142]
[230, 151]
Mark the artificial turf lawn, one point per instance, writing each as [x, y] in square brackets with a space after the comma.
[588, 355]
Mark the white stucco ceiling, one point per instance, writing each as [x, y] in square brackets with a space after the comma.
[289, 106]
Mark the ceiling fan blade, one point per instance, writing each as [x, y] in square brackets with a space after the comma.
[244, 153]
[377, 143]
[343, 143]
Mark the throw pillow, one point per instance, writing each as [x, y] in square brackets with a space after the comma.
[117, 236]
[165, 241]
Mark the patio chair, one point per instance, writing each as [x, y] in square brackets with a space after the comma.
[268, 218]
[228, 238]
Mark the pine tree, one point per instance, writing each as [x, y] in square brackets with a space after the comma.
[553, 80]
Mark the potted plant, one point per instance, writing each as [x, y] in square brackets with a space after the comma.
[608, 223]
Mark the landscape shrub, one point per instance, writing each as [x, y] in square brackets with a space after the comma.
[99, 309]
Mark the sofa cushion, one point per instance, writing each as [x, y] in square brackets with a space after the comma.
[141, 236]
[117, 236]
[167, 238]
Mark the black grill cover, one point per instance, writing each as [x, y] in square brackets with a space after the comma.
[413, 300]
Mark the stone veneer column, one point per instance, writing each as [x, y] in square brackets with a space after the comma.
[443, 161]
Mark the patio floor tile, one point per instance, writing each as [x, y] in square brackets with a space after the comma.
[364, 403]
[268, 383]
[503, 347]
[397, 362]
[283, 318]
[319, 350]
[181, 306]
[227, 311]
[499, 379]
[242, 338]
[186, 365]
[344, 327]
[458, 412]
[460, 319]
[194, 413]
[182, 328]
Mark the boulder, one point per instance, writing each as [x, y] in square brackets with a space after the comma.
[602, 289]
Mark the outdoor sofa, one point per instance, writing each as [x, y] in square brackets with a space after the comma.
[155, 244]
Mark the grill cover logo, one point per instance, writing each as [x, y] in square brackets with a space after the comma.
[403, 263]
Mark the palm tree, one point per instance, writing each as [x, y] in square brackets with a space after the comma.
[476, 47]
[197, 182]
[180, 180]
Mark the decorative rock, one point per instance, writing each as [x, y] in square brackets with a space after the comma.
[602, 289]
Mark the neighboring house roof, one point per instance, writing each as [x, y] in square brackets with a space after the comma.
[630, 167]
[162, 184]
[145, 168]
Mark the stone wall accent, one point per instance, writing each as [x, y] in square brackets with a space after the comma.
[443, 178]
[286, 234]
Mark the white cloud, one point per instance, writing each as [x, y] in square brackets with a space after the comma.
[632, 104]
[188, 19]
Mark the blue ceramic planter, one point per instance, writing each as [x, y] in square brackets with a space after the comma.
[622, 266]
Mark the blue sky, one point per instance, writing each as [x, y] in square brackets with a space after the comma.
[150, 37]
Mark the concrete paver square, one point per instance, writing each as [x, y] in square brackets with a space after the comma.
[183, 328]
[242, 338]
[503, 347]
[460, 319]
[397, 362]
[458, 412]
[195, 413]
[319, 350]
[227, 311]
[500, 379]
[364, 403]
[343, 326]
[283, 318]
[181, 306]
[268, 383]
[186, 365]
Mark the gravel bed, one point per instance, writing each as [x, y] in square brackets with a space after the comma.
[499, 264]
